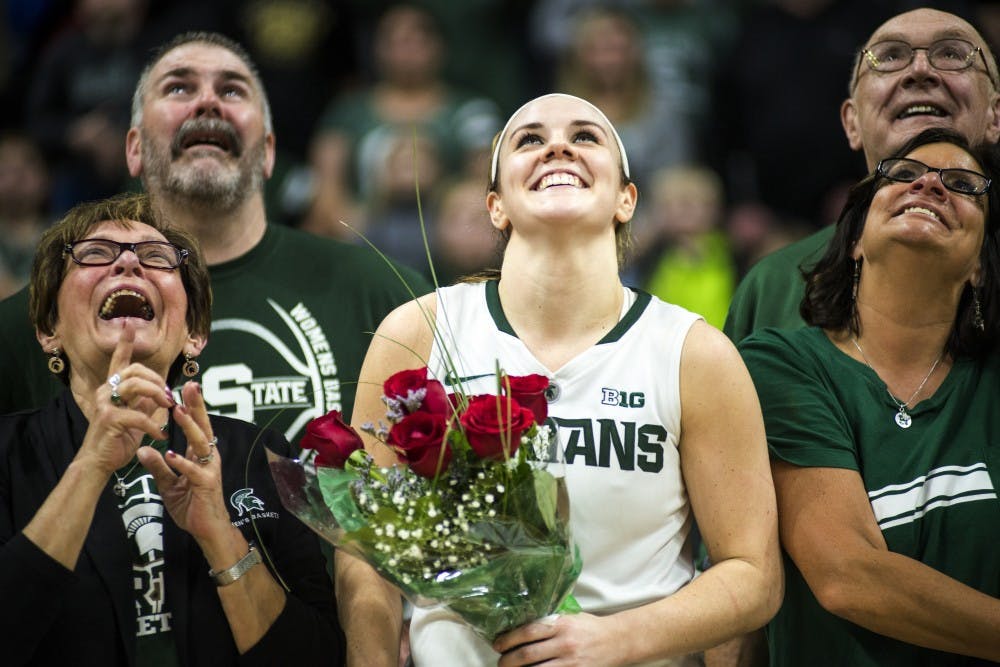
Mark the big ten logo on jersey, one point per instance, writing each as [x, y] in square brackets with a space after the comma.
[270, 375]
[625, 399]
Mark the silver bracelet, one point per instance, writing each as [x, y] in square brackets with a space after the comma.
[243, 565]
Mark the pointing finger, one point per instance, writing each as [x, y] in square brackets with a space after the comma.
[122, 355]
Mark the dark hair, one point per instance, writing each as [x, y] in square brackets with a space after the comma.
[829, 301]
[49, 267]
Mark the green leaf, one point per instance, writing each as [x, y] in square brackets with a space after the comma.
[547, 496]
[335, 485]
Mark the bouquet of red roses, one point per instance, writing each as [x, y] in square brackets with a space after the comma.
[475, 516]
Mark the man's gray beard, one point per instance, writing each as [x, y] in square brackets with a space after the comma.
[207, 188]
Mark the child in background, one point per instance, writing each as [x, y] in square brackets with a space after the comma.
[689, 262]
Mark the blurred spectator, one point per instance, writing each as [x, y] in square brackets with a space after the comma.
[24, 186]
[503, 72]
[25, 26]
[689, 262]
[605, 63]
[407, 166]
[685, 42]
[465, 242]
[305, 52]
[78, 104]
[408, 98]
[677, 44]
[777, 104]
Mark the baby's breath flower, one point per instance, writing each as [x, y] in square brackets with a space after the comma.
[414, 399]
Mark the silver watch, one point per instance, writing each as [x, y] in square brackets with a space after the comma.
[243, 565]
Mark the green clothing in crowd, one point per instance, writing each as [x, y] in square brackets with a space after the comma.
[932, 486]
[770, 294]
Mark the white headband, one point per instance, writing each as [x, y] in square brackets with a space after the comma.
[496, 149]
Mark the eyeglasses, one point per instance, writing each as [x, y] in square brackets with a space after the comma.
[102, 252]
[949, 55]
[906, 170]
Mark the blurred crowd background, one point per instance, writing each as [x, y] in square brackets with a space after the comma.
[729, 110]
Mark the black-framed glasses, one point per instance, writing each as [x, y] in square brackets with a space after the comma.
[907, 170]
[947, 55]
[102, 252]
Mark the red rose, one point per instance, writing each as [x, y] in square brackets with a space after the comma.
[419, 438]
[529, 391]
[492, 420]
[400, 386]
[332, 439]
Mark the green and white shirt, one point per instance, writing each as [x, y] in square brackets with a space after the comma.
[932, 486]
[618, 411]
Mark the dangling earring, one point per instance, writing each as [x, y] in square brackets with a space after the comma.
[56, 363]
[191, 367]
[857, 279]
[977, 315]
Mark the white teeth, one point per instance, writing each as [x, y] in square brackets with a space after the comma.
[921, 209]
[921, 109]
[560, 178]
[127, 303]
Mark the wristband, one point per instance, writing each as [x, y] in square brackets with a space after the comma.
[242, 566]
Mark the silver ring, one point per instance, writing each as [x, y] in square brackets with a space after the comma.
[213, 442]
[205, 459]
[116, 398]
[114, 381]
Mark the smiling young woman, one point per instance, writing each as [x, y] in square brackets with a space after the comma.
[625, 368]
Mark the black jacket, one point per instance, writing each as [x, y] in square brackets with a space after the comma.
[49, 614]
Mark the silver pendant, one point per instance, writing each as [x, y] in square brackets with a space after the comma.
[119, 489]
[903, 420]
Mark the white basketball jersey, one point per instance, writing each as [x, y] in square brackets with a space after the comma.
[617, 408]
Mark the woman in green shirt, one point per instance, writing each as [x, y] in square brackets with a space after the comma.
[881, 420]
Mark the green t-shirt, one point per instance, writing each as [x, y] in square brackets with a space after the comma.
[770, 294]
[932, 486]
[291, 322]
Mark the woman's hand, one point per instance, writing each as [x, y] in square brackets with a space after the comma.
[191, 485]
[62, 523]
[577, 639]
[123, 409]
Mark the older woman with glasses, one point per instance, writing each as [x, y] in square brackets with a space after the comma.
[133, 529]
[883, 426]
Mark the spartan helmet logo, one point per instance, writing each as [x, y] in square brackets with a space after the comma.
[244, 500]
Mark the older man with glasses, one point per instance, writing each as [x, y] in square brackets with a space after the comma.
[921, 69]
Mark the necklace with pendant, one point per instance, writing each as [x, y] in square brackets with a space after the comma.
[902, 417]
[119, 487]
